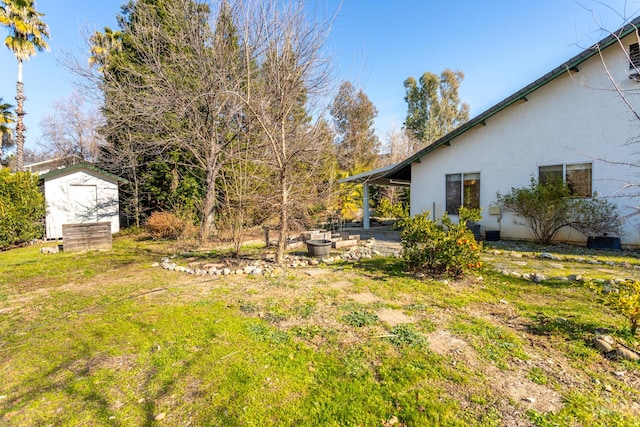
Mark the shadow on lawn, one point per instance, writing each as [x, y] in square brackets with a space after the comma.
[382, 266]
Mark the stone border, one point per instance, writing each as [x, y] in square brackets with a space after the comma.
[537, 277]
[267, 267]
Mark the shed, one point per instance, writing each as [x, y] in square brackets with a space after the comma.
[80, 194]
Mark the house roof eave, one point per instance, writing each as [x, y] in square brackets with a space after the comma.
[521, 95]
[80, 166]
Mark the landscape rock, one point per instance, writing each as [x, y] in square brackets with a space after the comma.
[604, 343]
[537, 277]
[556, 265]
[547, 255]
[626, 353]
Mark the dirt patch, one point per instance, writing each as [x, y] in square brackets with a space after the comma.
[394, 317]
[444, 343]
[513, 389]
[364, 298]
[341, 284]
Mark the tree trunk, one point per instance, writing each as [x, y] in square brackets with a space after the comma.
[284, 220]
[20, 127]
[209, 207]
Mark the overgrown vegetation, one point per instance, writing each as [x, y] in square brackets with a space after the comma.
[168, 225]
[548, 207]
[441, 248]
[22, 208]
[622, 297]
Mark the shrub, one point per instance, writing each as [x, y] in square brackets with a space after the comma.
[624, 298]
[404, 335]
[168, 225]
[22, 208]
[386, 209]
[440, 248]
[548, 207]
[360, 318]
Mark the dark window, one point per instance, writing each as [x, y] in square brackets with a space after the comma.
[634, 56]
[454, 193]
[577, 176]
[549, 174]
[462, 190]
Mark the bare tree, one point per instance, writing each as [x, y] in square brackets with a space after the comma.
[292, 71]
[175, 85]
[72, 129]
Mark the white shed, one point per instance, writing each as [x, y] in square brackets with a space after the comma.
[80, 194]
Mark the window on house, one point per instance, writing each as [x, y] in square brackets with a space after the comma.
[579, 179]
[634, 56]
[462, 190]
[549, 174]
[577, 176]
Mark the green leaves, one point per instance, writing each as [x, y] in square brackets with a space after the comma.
[440, 249]
[433, 105]
[22, 208]
[548, 207]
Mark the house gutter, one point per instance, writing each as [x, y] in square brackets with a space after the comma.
[521, 95]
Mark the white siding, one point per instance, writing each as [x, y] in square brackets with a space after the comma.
[573, 119]
[80, 196]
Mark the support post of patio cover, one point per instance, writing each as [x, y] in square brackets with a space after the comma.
[365, 206]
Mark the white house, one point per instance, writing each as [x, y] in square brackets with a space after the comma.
[81, 193]
[571, 122]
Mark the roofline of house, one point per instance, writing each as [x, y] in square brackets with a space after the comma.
[78, 166]
[567, 67]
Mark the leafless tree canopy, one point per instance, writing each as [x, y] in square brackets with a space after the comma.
[223, 91]
[72, 129]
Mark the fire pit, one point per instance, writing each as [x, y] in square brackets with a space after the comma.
[318, 248]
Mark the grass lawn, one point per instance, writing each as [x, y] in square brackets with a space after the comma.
[105, 338]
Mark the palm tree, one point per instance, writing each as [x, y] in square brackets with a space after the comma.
[102, 45]
[6, 118]
[27, 34]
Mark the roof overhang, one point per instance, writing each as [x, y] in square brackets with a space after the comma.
[78, 167]
[570, 66]
[378, 177]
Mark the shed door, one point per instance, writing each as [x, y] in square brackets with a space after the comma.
[83, 203]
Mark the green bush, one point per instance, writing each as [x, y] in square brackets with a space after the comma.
[440, 248]
[386, 209]
[548, 207]
[624, 298]
[22, 208]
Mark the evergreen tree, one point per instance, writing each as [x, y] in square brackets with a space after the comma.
[353, 115]
[433, 105]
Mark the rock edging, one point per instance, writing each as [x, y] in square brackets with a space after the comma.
[267, 267]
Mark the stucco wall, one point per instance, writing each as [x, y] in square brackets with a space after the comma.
[63, 207]
[573, 119]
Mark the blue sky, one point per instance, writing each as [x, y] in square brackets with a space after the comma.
[500, 45]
